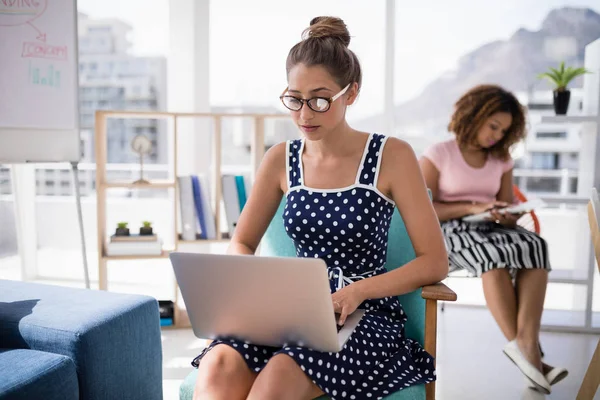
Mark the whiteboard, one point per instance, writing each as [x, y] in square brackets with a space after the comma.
[39, 110]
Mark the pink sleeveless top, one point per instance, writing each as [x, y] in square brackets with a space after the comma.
[459, 181]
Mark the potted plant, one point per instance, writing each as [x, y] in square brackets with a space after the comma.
[122, 229]
[560, 78]
[146, 228]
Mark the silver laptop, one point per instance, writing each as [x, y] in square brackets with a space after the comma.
[272, 301]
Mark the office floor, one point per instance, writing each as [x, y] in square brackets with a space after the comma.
[471, 364]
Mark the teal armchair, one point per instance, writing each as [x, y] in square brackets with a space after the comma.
[420, 306]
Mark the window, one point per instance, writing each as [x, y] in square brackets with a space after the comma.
[100, 28]
[544, 160]
[551, 135]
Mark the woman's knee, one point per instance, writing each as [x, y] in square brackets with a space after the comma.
[219, 365]
[496, 273]
[280, 377]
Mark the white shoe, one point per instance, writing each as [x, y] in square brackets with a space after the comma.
[540, 382]
[553, 376]
[556, 375]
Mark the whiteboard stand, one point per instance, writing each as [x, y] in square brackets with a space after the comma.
[23, 182]
[86, 273]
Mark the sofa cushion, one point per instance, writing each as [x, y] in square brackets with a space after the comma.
[32, 374]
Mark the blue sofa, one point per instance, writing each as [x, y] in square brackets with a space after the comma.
[64, 343]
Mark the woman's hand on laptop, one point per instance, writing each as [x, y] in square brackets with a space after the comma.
[346, 301]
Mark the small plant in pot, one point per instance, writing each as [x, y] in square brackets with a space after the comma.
[146, 228]
[560, 78]
[122, 229]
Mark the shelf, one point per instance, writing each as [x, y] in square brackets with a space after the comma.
[165, 254]
[568, 276]
[570, 119]
[165, 184]
[204, 241]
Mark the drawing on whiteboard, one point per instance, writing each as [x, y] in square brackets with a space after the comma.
[51, 78]
[20, 12]
[41, 36]
[43, 50]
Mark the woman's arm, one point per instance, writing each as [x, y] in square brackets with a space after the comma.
[410, 195]
[505, 194]
[448, 211]
[262, 203]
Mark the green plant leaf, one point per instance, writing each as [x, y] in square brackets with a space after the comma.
[551, 77]
[562, 68]
[573, 73]
[555, 71]
[562, 76]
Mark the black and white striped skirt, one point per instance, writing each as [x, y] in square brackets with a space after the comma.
[480, 247]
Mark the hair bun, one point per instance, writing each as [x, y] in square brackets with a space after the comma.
[324, 27]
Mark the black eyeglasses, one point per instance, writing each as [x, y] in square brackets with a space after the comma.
[317, 104]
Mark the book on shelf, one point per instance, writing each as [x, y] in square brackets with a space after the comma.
[197, 218]
[198, 237]
[231, 201]
[187, 211]
[204, 212]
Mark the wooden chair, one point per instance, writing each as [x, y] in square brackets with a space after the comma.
[591, 380]
[530, 220]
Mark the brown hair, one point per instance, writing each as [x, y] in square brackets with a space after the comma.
[325, 43]
[476, 106]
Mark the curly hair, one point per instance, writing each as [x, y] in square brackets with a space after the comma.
[474, 108]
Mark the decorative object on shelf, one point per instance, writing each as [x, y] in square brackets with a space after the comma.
[167, 312]
[560, 78]
[137, 246]
[142, 146]
[146, 228]
[122, 229]
[134, 237]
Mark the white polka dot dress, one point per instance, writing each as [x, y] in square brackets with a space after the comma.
[348, 228]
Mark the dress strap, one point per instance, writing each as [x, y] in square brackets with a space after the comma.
[292, 162]
[369, 170]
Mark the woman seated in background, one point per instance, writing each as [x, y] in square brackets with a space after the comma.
[472, 173]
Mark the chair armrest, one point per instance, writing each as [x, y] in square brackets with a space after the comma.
[438, 291]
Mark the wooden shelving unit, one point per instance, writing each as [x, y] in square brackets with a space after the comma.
[131, 185]
[103, 186]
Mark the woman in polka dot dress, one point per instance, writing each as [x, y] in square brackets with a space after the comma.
[341, 187]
